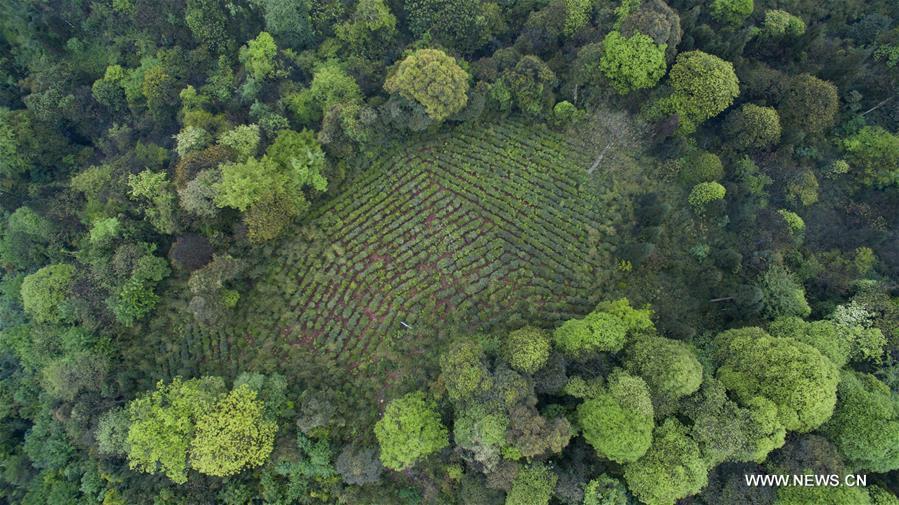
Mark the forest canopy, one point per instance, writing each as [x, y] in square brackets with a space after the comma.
[448, 252]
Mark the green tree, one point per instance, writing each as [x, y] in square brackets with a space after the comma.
[726, 431]
[287, 20]
[605, 490]
[233, 435]
[873, 154]
[433, 79]
[155, 188]
[45, 293]
[669, 367]
[865, 423]
[700, 166]
[163, 423]
[464, 370]
[705, 193]
[208, 22]
[459, 24]
[618, 421]
[830, 338]
[530, 84]
[671, 469]
[703, 84]
[533, 485]
[809, 105]
[631, 63]
[782, 295]
[794, 376]
[244, 139]
[527, 349]
[603, 330]
[331, 86]
[731, 11]
[779, 24]
[754, 127]
[258, 56]
[371, 29]
[410, 430]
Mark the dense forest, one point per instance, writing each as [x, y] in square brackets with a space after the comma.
[460, 252]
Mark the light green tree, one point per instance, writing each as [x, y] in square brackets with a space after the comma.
[618, 421]
[410, 430]
[865, 423]
[464, 370]
[527, 349]
[258, 56]
[233, 435]
[163, 424]
[795, 376]
[705, 193]
[873, 156]
[671, 469]
[703, 84]
[433, 79]
[45, 293]
[669, 367]
[631, 63]
[533, 485]
[731, 11]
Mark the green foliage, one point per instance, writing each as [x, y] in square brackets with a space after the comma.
[163, 423]
[631, 63]
[803, 189]
[669, 367]
[731, 11]
[865, 423]
[577, 15]
[433, 79]
[371, 29]
[530, 84]
[782, 295]
[671, 469]
[705, 193]
[191, 138]
[794, 376]
[244, 139]
[779, 24]
[809, 104]
[233, 435]
[464, 370]
[754, 127]
[481, 433]
[618, 421]
[533, 485]
[246, 183]
[700, 166]
[603, 330]
[410, 430]
[135, 298]
[704, 85]
[104, 230]
[527, 349]
[258, 56]
[154, 187]
[460, 24]
[794, 222]
[331, 87]
[45, 293]
[831, 339]
[872, 153]
[726, 431]
[112, 432]
[288, 21]
[605, 490]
